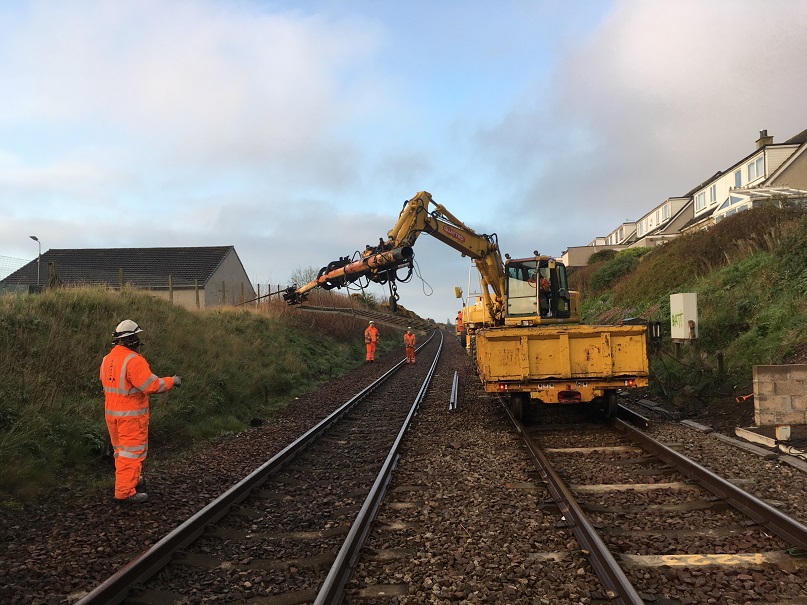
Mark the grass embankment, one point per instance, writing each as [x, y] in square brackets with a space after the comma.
[236, 365]
[750, 274]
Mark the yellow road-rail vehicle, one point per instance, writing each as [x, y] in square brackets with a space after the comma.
[523, 333]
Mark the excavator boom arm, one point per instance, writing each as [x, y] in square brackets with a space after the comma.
[416, 217]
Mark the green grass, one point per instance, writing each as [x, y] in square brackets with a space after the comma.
[236, 365]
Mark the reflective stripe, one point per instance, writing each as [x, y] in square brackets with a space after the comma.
[139, 412]
[148, 381]
[135, 448]
[115, 391]
[132, 456]
[122, 379]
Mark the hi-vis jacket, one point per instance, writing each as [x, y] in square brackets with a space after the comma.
[371, 334]
[128, 381]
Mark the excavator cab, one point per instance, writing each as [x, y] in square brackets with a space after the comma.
[536, 292]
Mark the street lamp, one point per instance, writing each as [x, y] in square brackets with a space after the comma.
[38, 258]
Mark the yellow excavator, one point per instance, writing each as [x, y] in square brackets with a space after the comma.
[524, 333]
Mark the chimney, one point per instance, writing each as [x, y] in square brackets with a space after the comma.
[764, 139]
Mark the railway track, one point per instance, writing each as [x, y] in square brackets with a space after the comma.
[613, 522]
[677, 531]
[290, 529]
[466, 518]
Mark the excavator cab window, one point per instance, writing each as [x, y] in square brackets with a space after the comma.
[537, 288]
[521, 288]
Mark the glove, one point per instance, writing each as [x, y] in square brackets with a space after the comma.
[177, 381]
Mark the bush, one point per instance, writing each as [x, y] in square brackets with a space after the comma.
[622, 264]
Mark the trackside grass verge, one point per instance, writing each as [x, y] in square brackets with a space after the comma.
[237, 365]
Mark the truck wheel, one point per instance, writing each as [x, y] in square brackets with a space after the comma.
[518, 405]
[610, 406]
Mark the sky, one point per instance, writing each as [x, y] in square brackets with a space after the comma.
[296, 130]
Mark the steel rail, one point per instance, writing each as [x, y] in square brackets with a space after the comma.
[788, 529]
[116, 588]
[618, 588]
[333, 588]
[452, 401]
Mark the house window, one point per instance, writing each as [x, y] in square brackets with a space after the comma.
[752, 171]
[700, 201]
[641, 228]
[738, 178]
[712, 194]
[665, 212]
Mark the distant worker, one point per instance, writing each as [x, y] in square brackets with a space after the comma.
[459, 321]
[370, 340]
[409, 344]
[128, 381]
[547, 294]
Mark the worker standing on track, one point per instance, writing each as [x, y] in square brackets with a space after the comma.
[409, 344]
[370, 340]
[128, 381]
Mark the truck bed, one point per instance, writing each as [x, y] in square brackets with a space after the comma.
[545, 360]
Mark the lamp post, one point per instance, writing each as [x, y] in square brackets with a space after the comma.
[38, 258]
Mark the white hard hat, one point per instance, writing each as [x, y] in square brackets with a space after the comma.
[371, 321]
[409, 328]
[126, 328]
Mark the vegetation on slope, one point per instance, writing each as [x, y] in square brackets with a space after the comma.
[237, 365]
[750, 275]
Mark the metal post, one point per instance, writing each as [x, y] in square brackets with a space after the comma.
[38, 258]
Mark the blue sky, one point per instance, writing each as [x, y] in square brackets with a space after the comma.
[295, 130]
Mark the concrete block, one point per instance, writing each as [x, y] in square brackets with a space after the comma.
[753, 449]
[791, 418]
[798, 403]
[794, 462]
[780, 372]
[773, 403]
[798, 371]
[764, 418]
[791, 387]
[764, 388]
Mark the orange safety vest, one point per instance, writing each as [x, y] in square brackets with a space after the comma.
[409, 340]
[371, 334]
[459, 320]
[128, 381]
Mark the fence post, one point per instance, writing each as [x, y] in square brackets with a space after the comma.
[120, 278]
[258, 300]
[196, 289]
[170, 289]
[223, 293]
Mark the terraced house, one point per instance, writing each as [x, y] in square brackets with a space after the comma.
[772, 172]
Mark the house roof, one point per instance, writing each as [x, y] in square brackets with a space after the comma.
[141, 267]
[799, 138]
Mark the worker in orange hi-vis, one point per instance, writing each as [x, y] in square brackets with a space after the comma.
[128, 381]
[409, 344]
[459, 320]
[370, 340]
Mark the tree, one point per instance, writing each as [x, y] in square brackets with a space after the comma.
[302, 275]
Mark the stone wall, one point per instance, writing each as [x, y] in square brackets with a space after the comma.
[780, 394]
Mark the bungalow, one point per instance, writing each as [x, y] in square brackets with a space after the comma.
[194, 277]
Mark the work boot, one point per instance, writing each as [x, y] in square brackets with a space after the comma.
[135, 498]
